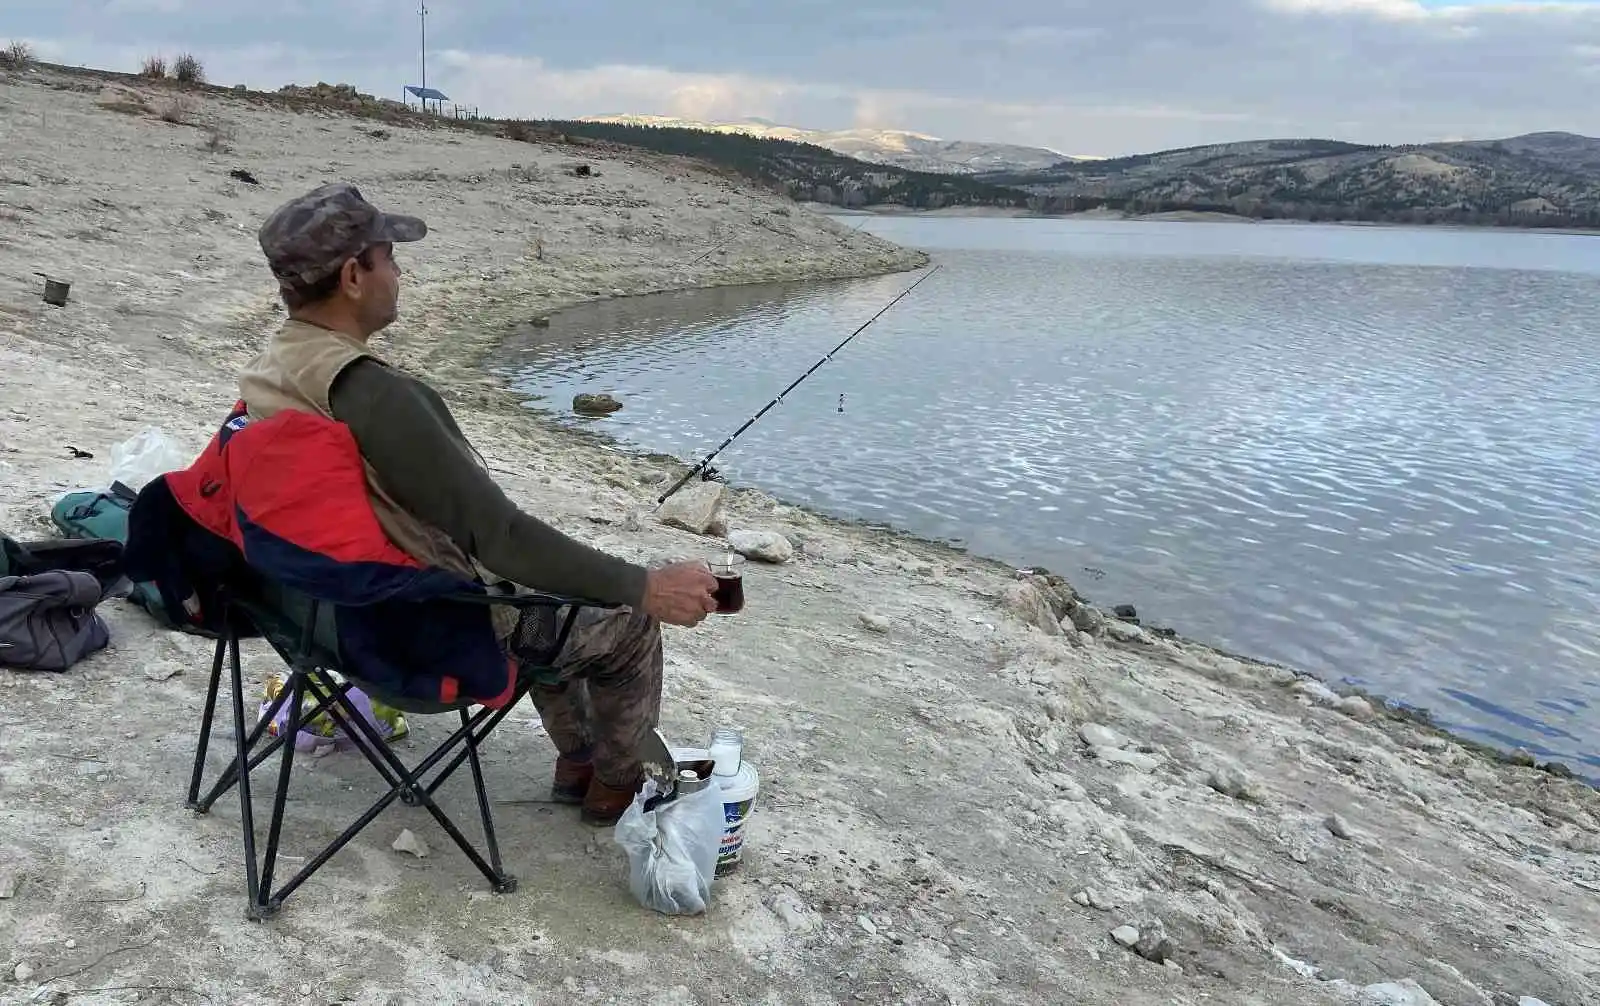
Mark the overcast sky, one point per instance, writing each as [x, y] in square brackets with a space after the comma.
[1099, 77]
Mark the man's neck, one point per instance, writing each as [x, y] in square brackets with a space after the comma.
[332, 321]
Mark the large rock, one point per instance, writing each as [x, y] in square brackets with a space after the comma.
[1095, 735]
[693, 508]
[874, 622]
[1153, 944]
[1401, 993]
[1057, 593]
[1027, 603]
[1235, 783]
[1317, 692]
[1087, 618]
[787, 905]
[409, 842]
[1126, 632]
[1136, 760]
[1081, 640]
[1355, 707]
[595, 405]
[765, 546]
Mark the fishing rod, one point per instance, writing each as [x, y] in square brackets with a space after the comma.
[701, 258]
[828, 356]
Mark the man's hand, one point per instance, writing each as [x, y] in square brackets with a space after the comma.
[680, 594]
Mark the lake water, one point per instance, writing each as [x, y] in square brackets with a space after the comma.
[1373, 454]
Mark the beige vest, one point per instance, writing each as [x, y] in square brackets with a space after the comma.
[296, 370]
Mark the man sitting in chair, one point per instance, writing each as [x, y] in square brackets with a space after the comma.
[332, 253]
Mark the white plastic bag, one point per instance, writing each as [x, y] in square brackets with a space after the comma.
[672, 850]
[147, 454]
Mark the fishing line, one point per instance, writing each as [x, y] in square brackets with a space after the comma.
[826, 357]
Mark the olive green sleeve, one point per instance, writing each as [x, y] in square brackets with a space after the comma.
[406, 433]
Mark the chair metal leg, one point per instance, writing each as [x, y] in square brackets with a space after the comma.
[506, 884]
[246, 815]
[266, 904]
[462, 755]
[193, 803]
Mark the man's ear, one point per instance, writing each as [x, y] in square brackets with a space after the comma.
[350, 275]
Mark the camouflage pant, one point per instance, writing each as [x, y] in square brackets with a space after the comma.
[608, 696]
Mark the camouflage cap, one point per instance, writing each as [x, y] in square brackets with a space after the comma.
[310, 237]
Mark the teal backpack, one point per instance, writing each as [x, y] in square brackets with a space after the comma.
[103, 516]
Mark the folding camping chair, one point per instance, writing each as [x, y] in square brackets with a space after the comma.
[300, 629]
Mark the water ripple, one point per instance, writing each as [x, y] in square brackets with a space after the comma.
[1371, 453]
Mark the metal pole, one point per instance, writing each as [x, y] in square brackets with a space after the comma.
[424, 14]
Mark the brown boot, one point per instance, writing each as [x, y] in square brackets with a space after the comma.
[603, 805]
[572, 779]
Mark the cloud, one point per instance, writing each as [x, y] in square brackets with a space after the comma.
[1078, 75]
[511, 86]
[1415, 10]
[144, 7]
[516, 86]
[1399, 9]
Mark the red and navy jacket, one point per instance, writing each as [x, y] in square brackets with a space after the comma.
[290, 493]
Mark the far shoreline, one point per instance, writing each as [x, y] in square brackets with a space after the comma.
[890, 210]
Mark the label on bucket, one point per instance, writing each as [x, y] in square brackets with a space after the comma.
[739, 799]
[735, 815]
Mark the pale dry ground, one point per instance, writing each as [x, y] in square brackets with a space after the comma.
[929, 780]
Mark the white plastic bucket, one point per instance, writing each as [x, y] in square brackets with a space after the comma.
[738, 803]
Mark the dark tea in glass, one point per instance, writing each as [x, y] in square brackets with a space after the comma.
[729, 571]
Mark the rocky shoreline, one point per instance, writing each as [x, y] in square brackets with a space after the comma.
[962, 802]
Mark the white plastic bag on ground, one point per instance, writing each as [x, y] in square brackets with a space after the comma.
[672, 850]
[147, 454]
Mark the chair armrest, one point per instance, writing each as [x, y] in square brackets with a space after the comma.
[538, 649]
[521, 601]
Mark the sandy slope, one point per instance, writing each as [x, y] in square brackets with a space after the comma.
[931, 818]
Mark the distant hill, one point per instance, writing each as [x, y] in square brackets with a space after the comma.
[1567, 151]
[1547, 179]
[1536, 180]
[805, 171]
[893, 147]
